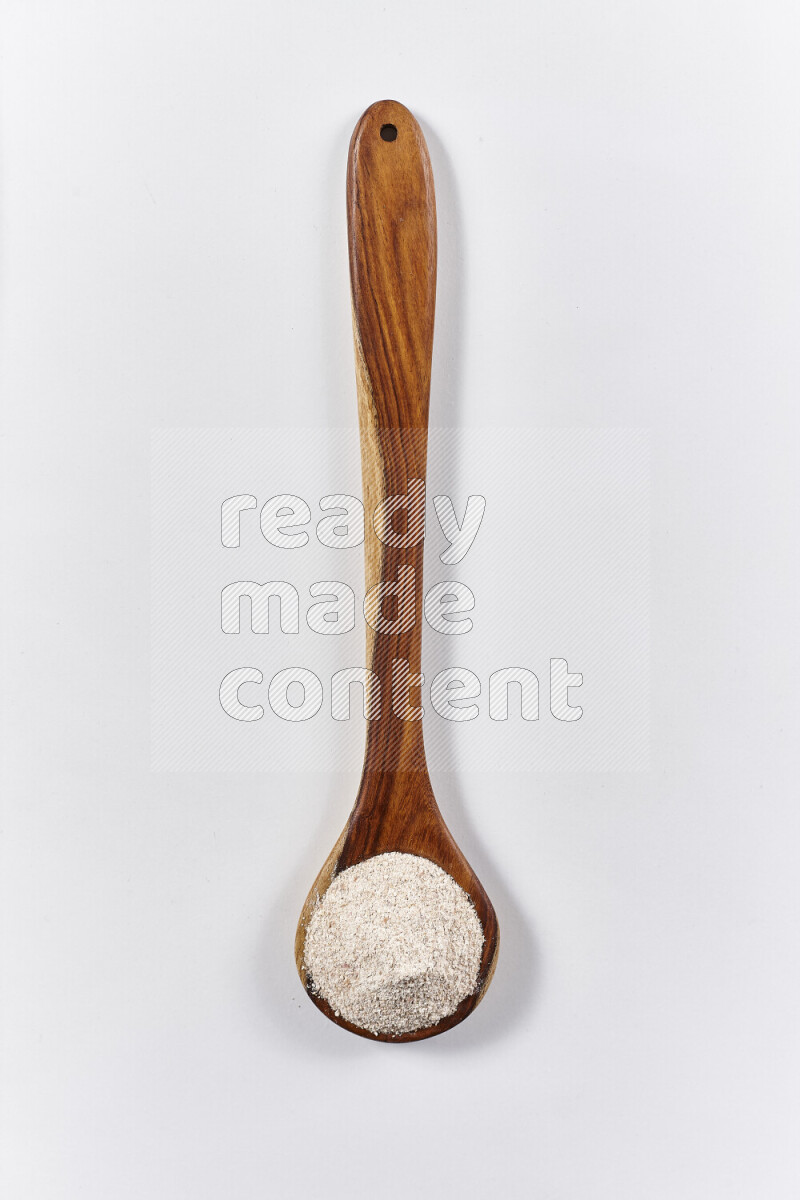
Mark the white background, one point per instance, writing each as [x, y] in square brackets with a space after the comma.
[617, 189]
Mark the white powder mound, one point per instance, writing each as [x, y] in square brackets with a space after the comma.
[394, 945]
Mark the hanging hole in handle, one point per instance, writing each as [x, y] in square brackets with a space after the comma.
[388, 132]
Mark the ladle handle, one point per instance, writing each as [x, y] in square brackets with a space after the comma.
[391, 221]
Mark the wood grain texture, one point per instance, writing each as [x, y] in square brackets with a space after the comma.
[391, 219]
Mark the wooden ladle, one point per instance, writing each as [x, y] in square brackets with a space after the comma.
[391, 221]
